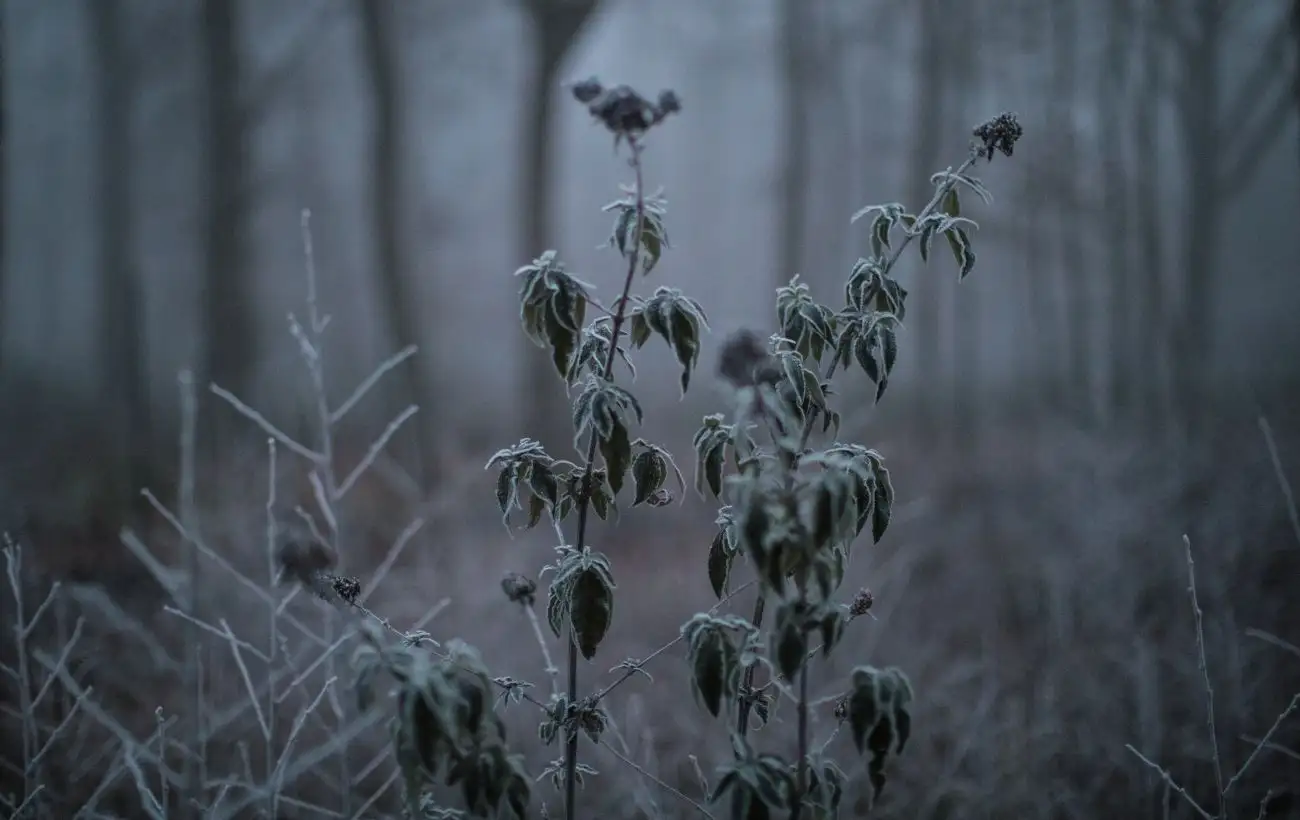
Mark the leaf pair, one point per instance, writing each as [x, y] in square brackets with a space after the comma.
[678, 319]
[581, 598]
[715, 659]
[553, 308]
[879, 716]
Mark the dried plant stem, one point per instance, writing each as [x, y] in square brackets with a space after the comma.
[584, 505]
[195, 774]
[1205, 680]
[272, 637]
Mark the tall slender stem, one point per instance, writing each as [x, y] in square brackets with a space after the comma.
[584, 503]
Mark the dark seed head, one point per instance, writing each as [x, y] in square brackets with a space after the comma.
[519, 589]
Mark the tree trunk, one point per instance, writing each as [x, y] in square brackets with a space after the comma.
[1295, 52]
[1151, 349]
[1064, 38]
[555, 27]
[924, 309]
[794, 32]
[965, 423]
[1112, 153]
[122, 354]
[1198, 106]
[227, 326]
[387, 210]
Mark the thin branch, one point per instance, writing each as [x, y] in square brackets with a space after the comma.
[1264, 741]
[1205, 679]
[366, 386]
[641, 770]
[1287, 495]
[1171, 784]
[267, 427]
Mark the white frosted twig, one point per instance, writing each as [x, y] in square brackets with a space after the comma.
[248, 679]
[165, 577]
[267, 427]
[379, 792]
[300, 720]
[374, 451]
[1205, 679]
[323, 502]
[34, 764]
[1287, 495]
[147, 798]
[120, 621]
[60, 663]
[370, 381]
[1264, 741]
[110, 777]
[385, 566]
[1170, 783]
[306, 673]
[225, 565]
[1270, 638]
[209, 628]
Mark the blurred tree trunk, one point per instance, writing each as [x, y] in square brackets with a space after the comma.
[831, 163]
[387, 211]
[967, 381]
[1222, 152]
[1295, 58]
[4, 164]
[794, 33]
[228, 329]
[929, 72]
[555, 26]
[1152, 303]
[1064, 39]
[123, 356]
[1113, 97]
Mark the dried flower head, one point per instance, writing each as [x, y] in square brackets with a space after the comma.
[861, 604]
[621, 109]
[999, 134]
[519, 589]
[745, 360]
[346, 587]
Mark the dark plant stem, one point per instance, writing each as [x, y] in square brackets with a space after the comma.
[790, 461]
[584, 503]
[801, 779]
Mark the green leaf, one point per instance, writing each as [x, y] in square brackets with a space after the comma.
[617, 452]
[790, 648]
[959, 243]
[951, 203]
[505, 489]
[556, 601]
[882, 503]
[591, 609]
[720, 558]
[648, 474]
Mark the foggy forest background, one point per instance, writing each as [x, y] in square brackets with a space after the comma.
[1059, 420]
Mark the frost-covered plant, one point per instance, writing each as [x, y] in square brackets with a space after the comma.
[791, 510]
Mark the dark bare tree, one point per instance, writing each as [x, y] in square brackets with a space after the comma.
[228, 331]
[929, 67]
[1066, 180]
[123, 354]
[554, 27]
[794, 35]
[1113, 99]
[1151, 352]
[1295, 57]
[388, 199]
[1225, 133]
[967, 69]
